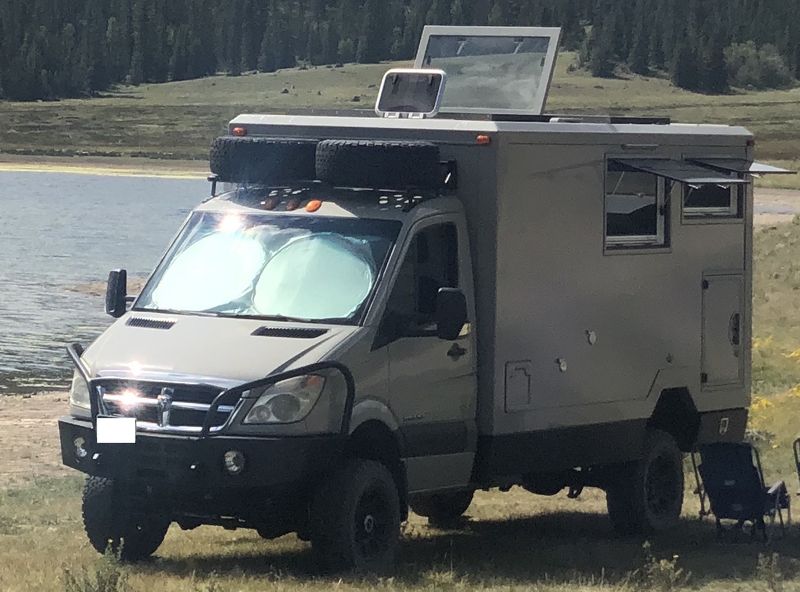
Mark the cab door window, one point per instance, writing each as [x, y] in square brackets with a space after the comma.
[431, 263]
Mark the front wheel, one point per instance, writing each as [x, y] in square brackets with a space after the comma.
[355, 519]
[646, 496]
[111, 520]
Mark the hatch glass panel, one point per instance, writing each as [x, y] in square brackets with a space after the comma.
[492, 70]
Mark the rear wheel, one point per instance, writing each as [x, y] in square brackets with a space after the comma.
[646, 496]
[112, 520]
[355, 519]
[442, 509]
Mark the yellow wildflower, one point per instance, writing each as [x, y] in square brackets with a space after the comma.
[761, 403]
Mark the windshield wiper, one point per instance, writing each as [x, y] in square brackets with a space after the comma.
[280, 318]
[177, 312]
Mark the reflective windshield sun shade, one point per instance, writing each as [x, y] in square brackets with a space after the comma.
[277, 267]
[492, 70]
[680, 171]
[742, 166]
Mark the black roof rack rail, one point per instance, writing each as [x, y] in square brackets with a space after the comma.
[502, 117]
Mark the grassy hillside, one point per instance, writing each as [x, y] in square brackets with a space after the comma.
[178, 120]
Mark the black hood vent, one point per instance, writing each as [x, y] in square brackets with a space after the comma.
[290, 332]
[144, 323]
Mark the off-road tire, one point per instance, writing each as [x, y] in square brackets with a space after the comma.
[379, 164]
[263, 161]
[355, 520]
[442, 509]
[109, 522]
[646, 496]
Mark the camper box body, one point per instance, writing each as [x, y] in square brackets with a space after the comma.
[582, 345]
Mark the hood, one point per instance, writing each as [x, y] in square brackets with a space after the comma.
[224, 352]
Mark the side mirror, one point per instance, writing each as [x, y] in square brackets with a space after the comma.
[451, 313]
[116, 293]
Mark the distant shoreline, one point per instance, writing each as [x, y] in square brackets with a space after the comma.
[122, 166]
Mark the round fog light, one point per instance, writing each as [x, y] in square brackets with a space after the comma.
[234, 462]
[80, 447]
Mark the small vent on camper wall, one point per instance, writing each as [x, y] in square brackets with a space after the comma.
[144, 323]
[289, 333]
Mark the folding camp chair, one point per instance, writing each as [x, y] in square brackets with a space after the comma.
[730, 477]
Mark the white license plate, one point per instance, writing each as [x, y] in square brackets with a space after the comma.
[116, 430]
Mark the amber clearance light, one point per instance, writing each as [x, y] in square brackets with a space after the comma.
[240, 132]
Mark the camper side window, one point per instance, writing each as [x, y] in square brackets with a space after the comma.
[713, 200]
[635, 212]
[431, 263]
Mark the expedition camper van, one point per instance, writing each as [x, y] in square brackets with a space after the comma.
[393, 310]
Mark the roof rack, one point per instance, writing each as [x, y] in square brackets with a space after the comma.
[501, 117]
[574, 118]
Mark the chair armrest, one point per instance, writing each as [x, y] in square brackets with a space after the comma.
[777, 487]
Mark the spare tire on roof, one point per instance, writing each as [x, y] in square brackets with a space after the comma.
[379, 164]
[262, 160]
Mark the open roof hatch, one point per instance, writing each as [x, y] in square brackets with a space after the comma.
[492, 70]
[412, 94]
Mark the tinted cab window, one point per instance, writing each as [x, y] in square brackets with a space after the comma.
[431, 263]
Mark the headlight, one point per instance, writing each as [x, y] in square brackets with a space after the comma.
[79, 392]
[288, 401]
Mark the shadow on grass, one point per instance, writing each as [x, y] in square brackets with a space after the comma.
[556, 547]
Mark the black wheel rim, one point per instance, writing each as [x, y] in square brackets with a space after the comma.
[372, 525]
[662, 487]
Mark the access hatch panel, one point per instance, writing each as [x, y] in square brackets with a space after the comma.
[492, 70]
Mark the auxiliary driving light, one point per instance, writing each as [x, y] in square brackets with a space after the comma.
[234, 462]
[80, 447]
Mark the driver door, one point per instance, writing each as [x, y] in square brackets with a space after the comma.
[432, 383]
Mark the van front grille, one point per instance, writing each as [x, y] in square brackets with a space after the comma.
[162, 405]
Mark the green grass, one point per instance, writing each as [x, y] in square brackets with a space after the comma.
[513, 541]
[179, 119]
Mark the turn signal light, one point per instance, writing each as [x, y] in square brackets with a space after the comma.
[240, 132]
[313, 205]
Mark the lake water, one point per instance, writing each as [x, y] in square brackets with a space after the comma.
[59, 234]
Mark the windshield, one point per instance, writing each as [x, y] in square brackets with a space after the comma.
[274, 267]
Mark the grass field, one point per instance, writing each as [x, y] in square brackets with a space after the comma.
[511, 541]
[178, 120]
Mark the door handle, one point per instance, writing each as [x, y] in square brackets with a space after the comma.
[735, 330]
[456, 352]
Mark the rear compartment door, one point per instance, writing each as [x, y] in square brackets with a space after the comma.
[723, 331]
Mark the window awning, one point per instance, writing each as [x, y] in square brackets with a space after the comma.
[679, 170]
[741, 165]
